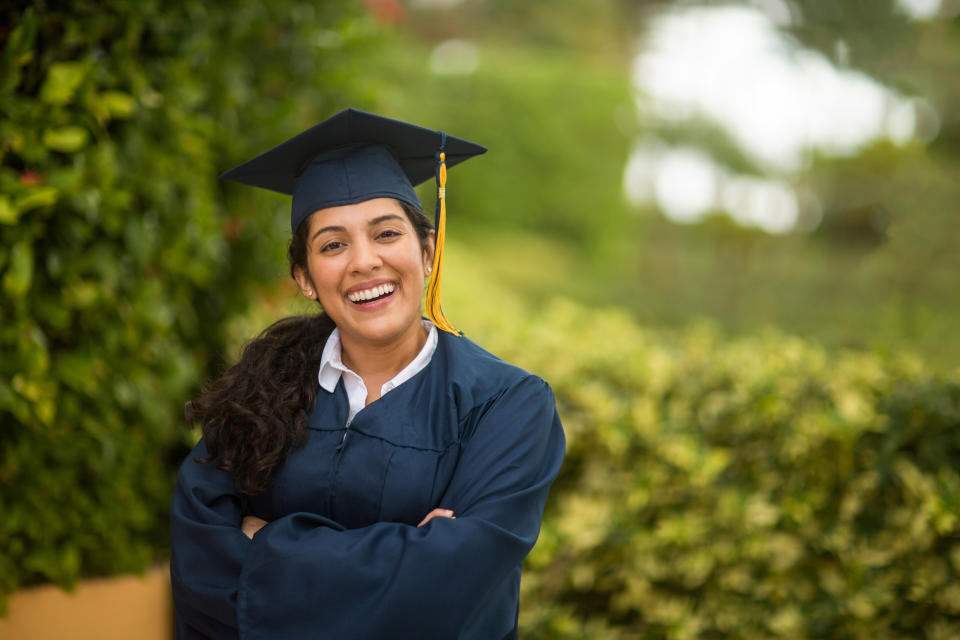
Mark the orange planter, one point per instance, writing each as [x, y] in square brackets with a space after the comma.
[117, 608]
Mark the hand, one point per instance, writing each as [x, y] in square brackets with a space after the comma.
[437, 513]
[252, 524]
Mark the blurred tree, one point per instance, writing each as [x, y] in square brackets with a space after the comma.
[880, 268]
[546, 90]
[907, 197]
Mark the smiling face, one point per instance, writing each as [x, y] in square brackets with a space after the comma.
[366, 266]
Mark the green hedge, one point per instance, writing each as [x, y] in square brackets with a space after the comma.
[121, 257]
[754, 488]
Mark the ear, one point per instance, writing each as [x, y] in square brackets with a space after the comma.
[304, 282]
[428, 251]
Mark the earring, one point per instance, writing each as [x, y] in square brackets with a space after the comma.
[429, 269]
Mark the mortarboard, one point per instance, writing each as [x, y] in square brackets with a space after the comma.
[355, 156]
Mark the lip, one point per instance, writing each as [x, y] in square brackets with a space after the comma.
[368, 307]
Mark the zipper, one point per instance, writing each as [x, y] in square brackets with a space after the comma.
[335, 471]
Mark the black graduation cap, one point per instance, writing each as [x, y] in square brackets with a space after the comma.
[356, 156]
[351, 157]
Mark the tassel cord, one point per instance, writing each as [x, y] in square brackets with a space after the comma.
[433, 307]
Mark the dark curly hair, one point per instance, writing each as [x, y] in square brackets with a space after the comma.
[255, 414]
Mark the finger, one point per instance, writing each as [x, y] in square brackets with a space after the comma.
[437, 513]
[250, 525]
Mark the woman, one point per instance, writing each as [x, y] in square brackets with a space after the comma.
[362, 473]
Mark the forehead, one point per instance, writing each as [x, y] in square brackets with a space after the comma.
[356, 216]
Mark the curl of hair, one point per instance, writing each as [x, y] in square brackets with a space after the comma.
[255, 414]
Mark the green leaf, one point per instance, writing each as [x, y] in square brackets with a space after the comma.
[117, 103]
[18, 49]
[8, 213]
[17, 279]
[66, 139]
[81, 294]
[62, 82]
[34, 198]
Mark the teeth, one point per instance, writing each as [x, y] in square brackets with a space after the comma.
[373, 292]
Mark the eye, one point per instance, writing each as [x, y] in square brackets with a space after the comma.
[331, 246]
[388, 234]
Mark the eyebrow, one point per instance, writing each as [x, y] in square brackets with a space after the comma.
[372, 223]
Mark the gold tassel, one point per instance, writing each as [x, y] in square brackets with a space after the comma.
[434, 310]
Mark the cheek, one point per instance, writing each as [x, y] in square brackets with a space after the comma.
[324, 275]
[417, 264]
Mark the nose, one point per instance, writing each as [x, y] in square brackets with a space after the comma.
[365, 256]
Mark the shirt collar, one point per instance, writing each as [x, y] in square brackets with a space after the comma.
[332, 367]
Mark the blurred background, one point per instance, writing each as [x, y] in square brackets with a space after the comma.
[724, 231]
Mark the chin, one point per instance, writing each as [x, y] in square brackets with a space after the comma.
[380, 330]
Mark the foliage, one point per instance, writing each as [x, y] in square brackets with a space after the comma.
[748, 488]
[119, 260]
[556, 117]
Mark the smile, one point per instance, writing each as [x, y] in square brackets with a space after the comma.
[371, 294]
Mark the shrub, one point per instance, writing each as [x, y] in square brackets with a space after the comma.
[119, 261]
[749, 488]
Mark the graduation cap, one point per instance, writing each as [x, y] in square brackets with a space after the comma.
[356, 156]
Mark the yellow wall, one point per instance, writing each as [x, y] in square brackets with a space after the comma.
[119, 608]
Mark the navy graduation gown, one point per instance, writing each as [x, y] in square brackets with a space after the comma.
[342, 556]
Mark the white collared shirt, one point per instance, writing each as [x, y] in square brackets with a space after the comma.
[332, 369]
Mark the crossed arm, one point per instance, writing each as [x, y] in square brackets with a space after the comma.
[251, 524]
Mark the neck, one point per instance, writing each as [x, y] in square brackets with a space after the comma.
[381, 362]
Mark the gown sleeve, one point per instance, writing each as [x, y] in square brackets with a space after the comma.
[207, 550]
[304, 576]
